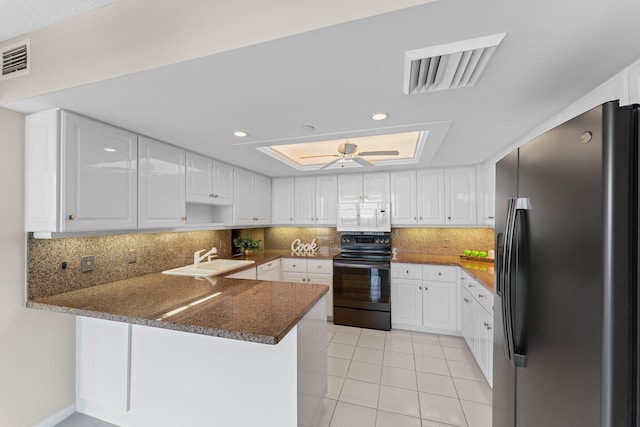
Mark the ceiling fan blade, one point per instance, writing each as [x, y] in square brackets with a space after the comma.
[380, 153]
[331, 163]
[363, 162]
[321, 155]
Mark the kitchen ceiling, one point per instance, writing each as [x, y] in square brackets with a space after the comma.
[335, 78]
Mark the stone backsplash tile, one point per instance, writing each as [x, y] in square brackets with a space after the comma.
[441, 241]
[154, 252]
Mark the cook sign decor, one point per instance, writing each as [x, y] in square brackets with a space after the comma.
[297, 247]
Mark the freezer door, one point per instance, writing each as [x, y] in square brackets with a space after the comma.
[561, 175]
[504, 374]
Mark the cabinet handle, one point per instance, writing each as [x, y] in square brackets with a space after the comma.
[319, 267]
[472, 285]
[466, 300]
[449, 217]
[426, 289]
[492, 217]
[420, 218]
[420, 287]
[480, 296]
[215, 196]
[439, 274]
[184, 218]
[211, 195]
[414, 218]
[407, 271]
[72, 217]
[489, 327]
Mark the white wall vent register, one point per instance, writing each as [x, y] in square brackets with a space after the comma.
[448, 66]
[15, 60]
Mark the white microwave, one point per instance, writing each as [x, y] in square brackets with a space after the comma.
[364, 217]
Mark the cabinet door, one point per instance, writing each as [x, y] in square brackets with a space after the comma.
[262, 197]
[466, 306]
[199, 178]
[439, 305]
[460, 187]
[327, 200]
[294, 277]
[485, 342]
[406, 302]
[489, 194]
[243, 199]
[161, 185]
[431, 207]
[403, 198]
[99, 185]
[282, 202]
[376, 187]
[305, 200]
[222, 183]
[350, 188]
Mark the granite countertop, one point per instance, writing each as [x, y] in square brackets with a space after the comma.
[248, 310]
[480, 270]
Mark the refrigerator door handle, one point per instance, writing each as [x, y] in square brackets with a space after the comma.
[504, 277]
[518, 282]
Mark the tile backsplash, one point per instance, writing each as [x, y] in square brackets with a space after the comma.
[154, 252]
[441, 241]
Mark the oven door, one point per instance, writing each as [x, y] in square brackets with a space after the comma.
[361, 284]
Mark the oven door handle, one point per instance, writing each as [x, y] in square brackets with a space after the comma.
[356, 265]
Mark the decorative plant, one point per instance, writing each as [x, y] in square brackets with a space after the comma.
[245, 243]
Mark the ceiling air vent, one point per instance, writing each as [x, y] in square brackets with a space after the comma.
[15, 60]
[448, 66]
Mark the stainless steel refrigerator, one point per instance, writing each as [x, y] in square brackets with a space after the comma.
[566, 303]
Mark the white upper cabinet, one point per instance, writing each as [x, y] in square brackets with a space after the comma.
[208, 181]
[431, 197]
[94, 187]
[222, 183]
[488, 194]
[161, 184]
[252, 198]
[316, 200]
[283, 199]
[305, 200]
[376, 187]
[199, 178]
[350, 188]
[460, 185]
[368, 187]
[326, 199]
[403, 198]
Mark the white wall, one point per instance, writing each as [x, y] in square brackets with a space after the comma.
[130, 36]
[37, 349]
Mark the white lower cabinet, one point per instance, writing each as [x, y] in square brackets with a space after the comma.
[424, 298]
[477, 323]
[269, 271]
[318, 271]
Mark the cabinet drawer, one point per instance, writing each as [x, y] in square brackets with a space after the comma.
[320, 279]
[320, 266]
[295, 265]
[484, 297]
[439, 273]
[406, 271]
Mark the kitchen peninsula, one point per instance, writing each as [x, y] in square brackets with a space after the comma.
[167, 350]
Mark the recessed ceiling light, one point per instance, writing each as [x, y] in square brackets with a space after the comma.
[110, 150]
[240, 133]
[379, 116]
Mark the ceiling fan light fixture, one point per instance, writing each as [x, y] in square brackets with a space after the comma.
[240, 133]
[379, 116]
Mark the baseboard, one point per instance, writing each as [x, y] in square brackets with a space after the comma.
[57, 417]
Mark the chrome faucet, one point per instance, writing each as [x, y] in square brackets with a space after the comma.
[197, 258]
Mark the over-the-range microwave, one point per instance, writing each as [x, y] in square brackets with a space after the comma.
[364, 217]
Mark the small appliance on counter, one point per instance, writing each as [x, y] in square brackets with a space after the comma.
[362, 281]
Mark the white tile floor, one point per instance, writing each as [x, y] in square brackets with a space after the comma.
[402, 379]
[392, 379]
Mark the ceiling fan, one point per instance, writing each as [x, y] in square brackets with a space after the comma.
[349, 151]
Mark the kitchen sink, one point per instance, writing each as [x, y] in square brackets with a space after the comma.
[209, 268]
